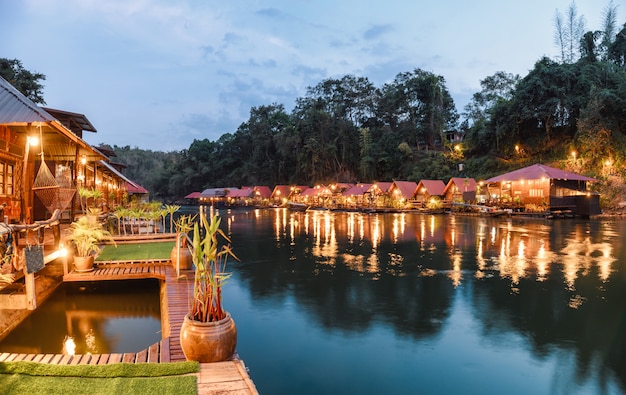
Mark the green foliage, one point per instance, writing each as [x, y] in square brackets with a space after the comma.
[23, 80]
[86, 234]
[209, 258]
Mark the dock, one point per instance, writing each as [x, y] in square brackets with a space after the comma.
[228, 377]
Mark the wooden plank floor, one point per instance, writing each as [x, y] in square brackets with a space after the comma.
[118, 271]
[229, 377]
[158, 352]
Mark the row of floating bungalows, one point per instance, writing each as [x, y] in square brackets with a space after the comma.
[534, 189]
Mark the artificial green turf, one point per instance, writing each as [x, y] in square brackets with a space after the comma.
[19, 384]
[120, 378]
[136, 251]
[122, 369]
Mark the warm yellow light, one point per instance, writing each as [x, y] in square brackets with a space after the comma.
[69, 346]
[33, 141]
[83, 160]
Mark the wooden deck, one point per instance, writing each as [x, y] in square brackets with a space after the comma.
[229, 377]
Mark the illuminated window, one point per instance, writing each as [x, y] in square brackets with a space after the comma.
[536, 192]
[6, 178]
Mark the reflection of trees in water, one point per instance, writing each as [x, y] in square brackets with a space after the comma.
[350, 272]
[560, 284]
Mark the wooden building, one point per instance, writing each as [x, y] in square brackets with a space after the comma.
[426, 189]
[548, 187]
[460, 189]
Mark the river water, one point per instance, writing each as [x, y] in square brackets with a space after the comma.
[338, 303]
[349, 303]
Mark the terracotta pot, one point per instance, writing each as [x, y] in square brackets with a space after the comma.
[184, 257]
[84, 263]
[208, 341]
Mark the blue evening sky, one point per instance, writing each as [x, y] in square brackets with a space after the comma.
[157, 74]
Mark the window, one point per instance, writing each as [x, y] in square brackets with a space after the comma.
[7, 171]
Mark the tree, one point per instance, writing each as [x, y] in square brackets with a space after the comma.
[568, 33]
[418, 106]
[609, 30]
[617, 50]
[23, 80]
[486, 109]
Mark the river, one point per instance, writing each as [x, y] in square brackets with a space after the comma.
[336, 303]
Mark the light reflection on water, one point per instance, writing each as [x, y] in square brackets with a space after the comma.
[90, 318]
[493, 305]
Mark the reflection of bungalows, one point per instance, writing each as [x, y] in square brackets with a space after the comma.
[542, 185]
[427, 189]
[460, 189]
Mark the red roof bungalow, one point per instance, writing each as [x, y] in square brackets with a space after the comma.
[460, 189]
[356, 195]
[402, 191]
[429, 188]
[282, 193]
[262, 192]
[546, 186]
[380, 188]
[357, 190]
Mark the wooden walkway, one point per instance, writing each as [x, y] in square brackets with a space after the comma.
[229, 377]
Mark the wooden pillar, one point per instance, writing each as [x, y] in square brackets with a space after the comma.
[31, 294]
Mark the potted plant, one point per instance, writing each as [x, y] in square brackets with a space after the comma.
[181, 255]
[86, 236]
[208, 332]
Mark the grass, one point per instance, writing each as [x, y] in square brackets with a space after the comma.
[120, 378]
[136, 251]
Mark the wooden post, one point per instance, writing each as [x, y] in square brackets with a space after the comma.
[31, 294]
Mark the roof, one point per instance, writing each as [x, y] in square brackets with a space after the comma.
[213, 192]
[71, 120]
[380, 187]
[539, 171]
[263, 192]
[15, 108]
[285, 191]
[462, 183]
[240, 193]
[134, 188]
[357, 190]
[131, 186]
[432, 187]
[193, 195]
[310, 192]
[406, 188]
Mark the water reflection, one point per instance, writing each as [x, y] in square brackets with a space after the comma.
[556, 285]
[512, 249]
[91, 318]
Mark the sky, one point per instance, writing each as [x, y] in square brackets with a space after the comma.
[159, 74]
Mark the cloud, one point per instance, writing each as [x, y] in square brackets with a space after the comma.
[159, 73]
[376, 32]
